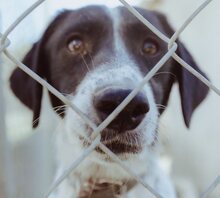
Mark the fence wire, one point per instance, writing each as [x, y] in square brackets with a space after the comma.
[94, 139]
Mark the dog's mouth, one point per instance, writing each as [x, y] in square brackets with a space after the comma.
[119, 143]
[121, 148]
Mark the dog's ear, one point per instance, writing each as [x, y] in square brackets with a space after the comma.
[192, 90]
[24, 87]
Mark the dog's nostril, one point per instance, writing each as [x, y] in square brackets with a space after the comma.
[140, 109]
[105, 102]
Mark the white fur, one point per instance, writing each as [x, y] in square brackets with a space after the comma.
[123, 73]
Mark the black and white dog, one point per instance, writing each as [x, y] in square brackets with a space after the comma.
[97, 56]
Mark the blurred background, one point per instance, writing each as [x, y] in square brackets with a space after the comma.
[192, 155]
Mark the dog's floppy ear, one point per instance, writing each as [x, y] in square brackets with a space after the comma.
[24, 87]
[192, 90]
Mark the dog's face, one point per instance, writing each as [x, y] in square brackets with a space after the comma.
[97, 56]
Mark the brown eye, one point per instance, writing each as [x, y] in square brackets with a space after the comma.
[77, 46]
[150, 48]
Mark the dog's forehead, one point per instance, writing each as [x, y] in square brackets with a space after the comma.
[91, 12]
[110, 16]
[126, 17]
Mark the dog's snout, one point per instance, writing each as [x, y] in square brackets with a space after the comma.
[105, 102]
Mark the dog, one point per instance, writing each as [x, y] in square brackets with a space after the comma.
[96, 56]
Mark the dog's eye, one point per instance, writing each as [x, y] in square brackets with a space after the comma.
[150, 47]
[77, 46]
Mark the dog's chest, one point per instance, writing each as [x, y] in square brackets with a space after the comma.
[105, 189]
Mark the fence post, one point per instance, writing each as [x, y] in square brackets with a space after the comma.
[7, 187]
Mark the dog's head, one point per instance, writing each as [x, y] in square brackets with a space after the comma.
[97, 56]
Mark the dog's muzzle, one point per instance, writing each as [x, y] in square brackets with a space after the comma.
[120, 135]
[106, 101]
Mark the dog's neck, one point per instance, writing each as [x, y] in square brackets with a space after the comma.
[105, 188]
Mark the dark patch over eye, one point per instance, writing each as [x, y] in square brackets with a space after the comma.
[150, 47]
[76, 45]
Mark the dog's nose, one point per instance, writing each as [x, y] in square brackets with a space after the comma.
[105, 102]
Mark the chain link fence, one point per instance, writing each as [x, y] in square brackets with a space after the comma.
[95, 138]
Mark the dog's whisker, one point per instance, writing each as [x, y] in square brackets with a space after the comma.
[93, 66]
[165, 72]
[60, 113]
[36, 120]
[60, 110]
[56, 109]
[61, 106]
[87, 66]
[160, 105]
